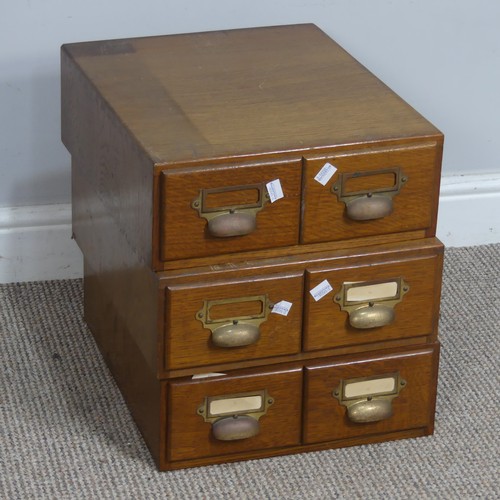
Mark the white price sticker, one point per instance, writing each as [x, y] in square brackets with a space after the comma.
[325, 174]
[275, 191]
[319, 291]
[282, 307]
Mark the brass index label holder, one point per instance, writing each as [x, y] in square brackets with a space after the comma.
[369, 204]
[370, 304]
[235, 331]
[231, 220]
[235, 416]
[369, 399]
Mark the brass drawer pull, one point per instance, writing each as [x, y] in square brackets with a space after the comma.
[235, 427]
[231, 220]
[235, 335]
[370, 304]
[369, 207]
[234, 331]
[370, 410]
[369, 204]
[232, 224]
[235, 416]
[369, 399]
[371, 316]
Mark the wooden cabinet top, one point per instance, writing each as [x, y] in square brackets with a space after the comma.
[241, 92]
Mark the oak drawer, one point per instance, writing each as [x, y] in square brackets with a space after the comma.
[374, 298]
[373, 191]
[222, 209]
[211, 322]
[201, 413]
[370, 395]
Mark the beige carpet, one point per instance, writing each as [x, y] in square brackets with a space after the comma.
[65, 432]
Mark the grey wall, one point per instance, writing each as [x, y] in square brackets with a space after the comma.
[442, 56]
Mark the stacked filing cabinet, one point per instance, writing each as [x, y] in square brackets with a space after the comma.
[257, 214]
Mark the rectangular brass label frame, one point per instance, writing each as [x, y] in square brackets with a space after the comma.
[373, 291]
[356, 389]
[229, 406]
[339, 187]
[246, 403]
[208, 213]
[349, 288]
[203, 314]
[368, 387]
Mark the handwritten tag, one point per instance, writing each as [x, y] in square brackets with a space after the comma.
[325, 174]
[207, 375]
[275, 190]
[319, 291]
[282, 307]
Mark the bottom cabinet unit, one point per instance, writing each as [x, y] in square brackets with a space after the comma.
[320, 404]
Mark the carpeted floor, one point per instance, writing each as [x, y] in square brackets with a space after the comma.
[65, 432]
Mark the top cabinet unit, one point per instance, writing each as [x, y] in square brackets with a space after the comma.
[217, 144]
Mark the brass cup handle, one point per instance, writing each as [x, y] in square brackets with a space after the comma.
[371, 316]
[232, 224]
[235, 427]
[236, 334]
[369, 207]
[370, 411]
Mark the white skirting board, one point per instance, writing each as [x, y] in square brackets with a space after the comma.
[36, 244]
[469, 210]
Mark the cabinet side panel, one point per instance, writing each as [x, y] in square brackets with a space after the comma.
[133, 374]
[111, 161]
[130, 285]
[112, 183]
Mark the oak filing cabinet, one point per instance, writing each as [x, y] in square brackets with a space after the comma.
[257, 215]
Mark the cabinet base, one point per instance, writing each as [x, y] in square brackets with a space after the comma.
[344, 443]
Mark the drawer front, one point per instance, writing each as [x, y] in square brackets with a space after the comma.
[372, 192]
[227, 209]
[370, 396]
[374, 300]
[209, 323]
[201, 414]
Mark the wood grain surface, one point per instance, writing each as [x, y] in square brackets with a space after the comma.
[236, 92]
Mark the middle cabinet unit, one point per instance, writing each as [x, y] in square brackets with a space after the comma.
[299, 307]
